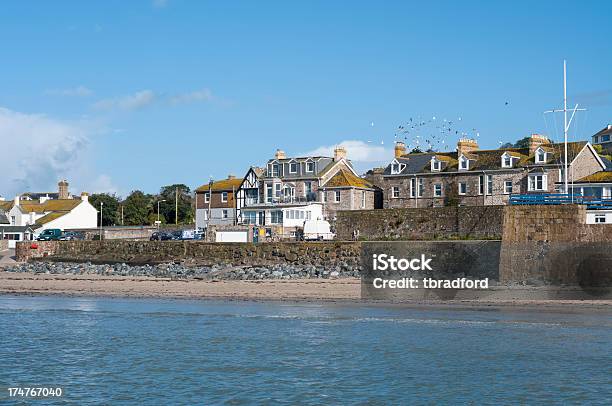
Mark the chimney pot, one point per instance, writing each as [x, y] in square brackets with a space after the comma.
[466, 145]
[400, 149]
[339, 153]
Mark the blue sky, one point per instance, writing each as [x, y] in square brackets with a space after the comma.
[117, 95]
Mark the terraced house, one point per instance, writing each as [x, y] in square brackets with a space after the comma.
[289, 191]
[215, 202]
[472, 177]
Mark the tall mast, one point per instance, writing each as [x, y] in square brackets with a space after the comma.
[566, 190]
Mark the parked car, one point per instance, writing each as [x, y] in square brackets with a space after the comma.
[72, 235]
[50, 234]
[160, 236]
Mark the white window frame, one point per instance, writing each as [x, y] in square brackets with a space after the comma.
[506, 157]
[459, 185]
[337, 196]
[308, 166]
[532, 182]
[400, 167]
[436, 165]
[421, 186]
[225, 214]
[395, 192]
[506, 183]
[224, 197]
[324, 196]
[537, 156]
[206, 197]
[464, 163]
[291, 164]
[489, 185]
[413, 187]
[437, 190]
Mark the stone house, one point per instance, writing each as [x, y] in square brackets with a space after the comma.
[604, 138]
[215, 202]
[473, 177]
[289, 191]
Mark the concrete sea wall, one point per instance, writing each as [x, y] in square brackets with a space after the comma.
[474, 222]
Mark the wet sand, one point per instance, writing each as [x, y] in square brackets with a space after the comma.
[312, 290]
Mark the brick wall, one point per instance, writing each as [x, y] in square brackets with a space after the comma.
[484, 222]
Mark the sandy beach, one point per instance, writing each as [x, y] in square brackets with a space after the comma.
[312, 290]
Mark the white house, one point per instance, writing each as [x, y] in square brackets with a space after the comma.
[65, 212]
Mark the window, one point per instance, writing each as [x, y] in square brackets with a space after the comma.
[206, 197]
[269, 193]
[600, 218]
[437, 189]
[277, 189]
[324, 196]
[395, 192]
[276, 217]
[13, 220]
[537, 183]
[206, 215]
[275, 170]
[293, 167]
[396, 167]
[540, 156]
[462, 188]
[250, 217]
[308, 215]
[225, 213]
[506, 160]
[489, 184]
[508, 187]
[307, 188]
[224, 196]
[464, 163]
[337, 196]
[309, 166]
[412, 187]
[605, 138]
[481, 184]
[421, 188]
[363, 199]
[436, 165]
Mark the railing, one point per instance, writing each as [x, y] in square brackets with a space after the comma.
[592, 202]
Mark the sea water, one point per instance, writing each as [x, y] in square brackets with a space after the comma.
[165, 352]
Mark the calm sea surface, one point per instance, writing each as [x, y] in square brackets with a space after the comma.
[164, 352]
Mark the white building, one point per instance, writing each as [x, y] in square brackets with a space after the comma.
[65, 213]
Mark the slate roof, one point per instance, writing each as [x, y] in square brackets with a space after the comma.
[483, 159]
[4, 219]
[344, 178]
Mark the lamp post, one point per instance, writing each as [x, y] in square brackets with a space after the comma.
[101, 204]
[158, 221]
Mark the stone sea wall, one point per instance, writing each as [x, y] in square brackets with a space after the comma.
[472, 222]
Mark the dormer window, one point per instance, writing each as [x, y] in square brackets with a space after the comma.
[293, 166]
[506, 160]
[540, 156]
[309, 166]
[464, 163]
[436, 165]
[396, 167]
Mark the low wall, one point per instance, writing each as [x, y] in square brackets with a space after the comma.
[193, 252]
[473, 222]
[553, 245]
[3, 245]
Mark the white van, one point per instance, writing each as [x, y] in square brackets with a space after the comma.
[317, 230]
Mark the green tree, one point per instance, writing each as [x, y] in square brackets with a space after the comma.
[522, 143]
[416, 150]
[153, 218]
[136, 208]
[185, 206]
[110, 208]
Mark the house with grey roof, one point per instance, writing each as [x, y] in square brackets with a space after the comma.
[474, 177]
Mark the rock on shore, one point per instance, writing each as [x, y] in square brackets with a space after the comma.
[177, 271]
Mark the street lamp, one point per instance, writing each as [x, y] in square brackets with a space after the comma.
[158, 202]
[101, 204]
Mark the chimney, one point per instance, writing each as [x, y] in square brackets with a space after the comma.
[535, 141]
[16, 200]
[400, 149]
[63, 190]
[339, 153]
[231, 177]
[32, 218]
[85, 196]
[280, 154]
[466, 145]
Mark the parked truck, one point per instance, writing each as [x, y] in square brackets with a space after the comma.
[317, 230]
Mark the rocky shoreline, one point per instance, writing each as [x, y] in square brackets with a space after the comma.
[178, 271]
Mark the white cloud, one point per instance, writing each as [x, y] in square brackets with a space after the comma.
[40, 150]
[79, 91]
[103, 184]
[190, 97]
[134, 101]
[363, 155]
